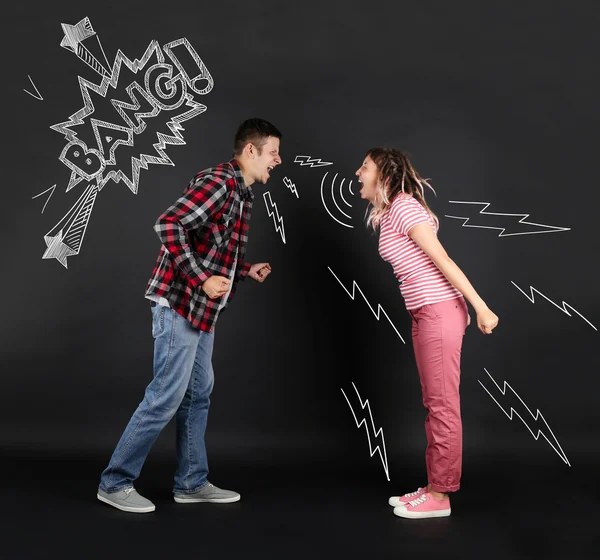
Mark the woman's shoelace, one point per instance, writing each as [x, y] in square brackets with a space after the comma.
[418, 501]
[409, 494]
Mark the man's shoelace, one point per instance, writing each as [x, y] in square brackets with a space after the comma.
[418, 501]
[128, 491]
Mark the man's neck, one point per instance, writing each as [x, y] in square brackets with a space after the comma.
[245, 173]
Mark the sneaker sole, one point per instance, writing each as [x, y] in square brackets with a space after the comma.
[208, 500]
[126, 508]
[396, 503]
[423, 515]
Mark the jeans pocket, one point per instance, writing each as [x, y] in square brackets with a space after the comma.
[158, 320]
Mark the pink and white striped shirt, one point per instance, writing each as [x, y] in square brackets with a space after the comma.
[421, 282]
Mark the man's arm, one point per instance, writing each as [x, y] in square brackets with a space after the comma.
[197, 207]
[244, 269]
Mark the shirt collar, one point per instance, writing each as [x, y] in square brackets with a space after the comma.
[243, 190]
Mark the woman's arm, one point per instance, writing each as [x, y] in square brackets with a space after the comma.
[425, 238]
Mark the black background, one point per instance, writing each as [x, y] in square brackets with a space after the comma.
[495, 102]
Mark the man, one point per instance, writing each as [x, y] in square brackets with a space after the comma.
[204, 236]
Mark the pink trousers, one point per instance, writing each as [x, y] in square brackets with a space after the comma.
[437, 334]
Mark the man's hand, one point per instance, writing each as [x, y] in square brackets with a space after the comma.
[216, 286]
[259, 271]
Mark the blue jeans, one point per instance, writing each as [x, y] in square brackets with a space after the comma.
[182, 384]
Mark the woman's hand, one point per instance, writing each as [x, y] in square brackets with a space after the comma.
[487, 321]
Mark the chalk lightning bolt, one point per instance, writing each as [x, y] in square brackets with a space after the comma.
[290, 185]
[370, 429]
[564, 304]
[538, 415]
[551, 229]
[379, 308]
[313, 162]
[272, 211]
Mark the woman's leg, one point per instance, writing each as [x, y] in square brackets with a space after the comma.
[420, 364]
[439, 333]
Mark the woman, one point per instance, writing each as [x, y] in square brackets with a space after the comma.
[433, 288]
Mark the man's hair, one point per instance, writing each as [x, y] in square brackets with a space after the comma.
[256, 131]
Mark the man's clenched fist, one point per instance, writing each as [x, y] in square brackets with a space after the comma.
[259, 271]
[216, 286]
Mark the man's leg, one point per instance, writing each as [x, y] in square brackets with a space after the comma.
[191, 484]
[175, 346]
[191, 419]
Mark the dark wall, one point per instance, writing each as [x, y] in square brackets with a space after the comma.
[496, 104]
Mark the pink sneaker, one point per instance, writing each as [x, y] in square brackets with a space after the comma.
[424, 506]
[402, 500]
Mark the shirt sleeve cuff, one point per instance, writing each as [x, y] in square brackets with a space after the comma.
[200, 279]
[245, 268]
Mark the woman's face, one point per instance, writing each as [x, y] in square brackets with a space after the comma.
[368, 175]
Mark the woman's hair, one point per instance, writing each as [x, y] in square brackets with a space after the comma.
[396, 175]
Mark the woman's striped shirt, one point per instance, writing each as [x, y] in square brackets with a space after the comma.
[421, 282]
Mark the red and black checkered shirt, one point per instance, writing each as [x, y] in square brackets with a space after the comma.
[199, 236]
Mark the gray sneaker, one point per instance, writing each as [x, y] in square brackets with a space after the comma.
[126, 500]
[210, 493]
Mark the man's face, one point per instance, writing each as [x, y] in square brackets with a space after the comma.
[267, 160]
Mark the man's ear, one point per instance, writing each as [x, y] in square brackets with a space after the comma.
[250, 150]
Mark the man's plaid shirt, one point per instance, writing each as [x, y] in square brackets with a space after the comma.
[199, 235]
